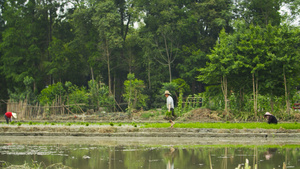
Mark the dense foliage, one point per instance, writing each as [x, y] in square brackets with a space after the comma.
[241, 55]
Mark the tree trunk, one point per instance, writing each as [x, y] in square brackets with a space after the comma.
[241, 100]
[170, 72]
[149, 74]
[272, 103]
[224, 90]
[286, 93]
[256, 97]
[92, 74]
[108, 68]
[254, 94]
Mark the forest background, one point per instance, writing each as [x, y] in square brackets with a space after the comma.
[239, 56]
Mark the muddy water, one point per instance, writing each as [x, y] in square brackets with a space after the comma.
[149, 153]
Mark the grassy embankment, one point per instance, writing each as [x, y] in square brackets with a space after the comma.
[226, 125]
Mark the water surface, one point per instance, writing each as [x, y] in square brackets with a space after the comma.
[149, 153]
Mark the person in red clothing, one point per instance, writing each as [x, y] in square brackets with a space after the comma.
[8, 116]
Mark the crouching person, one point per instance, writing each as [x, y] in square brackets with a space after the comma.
[271, 119]
[8, 116]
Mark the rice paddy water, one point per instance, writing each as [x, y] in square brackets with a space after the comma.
[148, 153]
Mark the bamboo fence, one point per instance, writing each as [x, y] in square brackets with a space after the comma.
[30, 112]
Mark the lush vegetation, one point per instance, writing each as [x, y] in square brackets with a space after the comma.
[238, 56]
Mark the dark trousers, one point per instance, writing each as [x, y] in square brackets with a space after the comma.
[7, 119]
[173, 114]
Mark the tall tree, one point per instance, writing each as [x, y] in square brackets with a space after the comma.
[285, 55]
[222, 64]
[107, 19]
[165, 30]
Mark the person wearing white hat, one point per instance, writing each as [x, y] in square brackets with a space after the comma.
[170, 106]
[271, 119]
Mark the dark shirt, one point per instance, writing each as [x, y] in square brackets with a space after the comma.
[272, 120]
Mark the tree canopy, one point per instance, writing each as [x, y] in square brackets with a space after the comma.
[243, 47]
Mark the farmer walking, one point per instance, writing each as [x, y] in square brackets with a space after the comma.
[8, 116]
[170, 106]
[271, 119]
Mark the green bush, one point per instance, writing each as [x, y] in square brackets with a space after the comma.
[50, 93]
[134, 93]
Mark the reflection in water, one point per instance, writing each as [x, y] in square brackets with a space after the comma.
[162, 157]
[170, 157]
[270, 152]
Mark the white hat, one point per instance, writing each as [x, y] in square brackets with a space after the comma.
[167, 92]
[14, 115]
[268, 114]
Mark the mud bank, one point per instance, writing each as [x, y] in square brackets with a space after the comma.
[129, 131]
[150, 141]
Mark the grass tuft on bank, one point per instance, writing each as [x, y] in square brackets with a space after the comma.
[256, 125]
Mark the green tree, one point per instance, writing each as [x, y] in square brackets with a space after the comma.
[51, 93]
[99, 95]
[285, 55]
[260, 12]
[222, 64]
[134, 93]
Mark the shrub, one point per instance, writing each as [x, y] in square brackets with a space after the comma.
[134, 93]
[49, 94]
